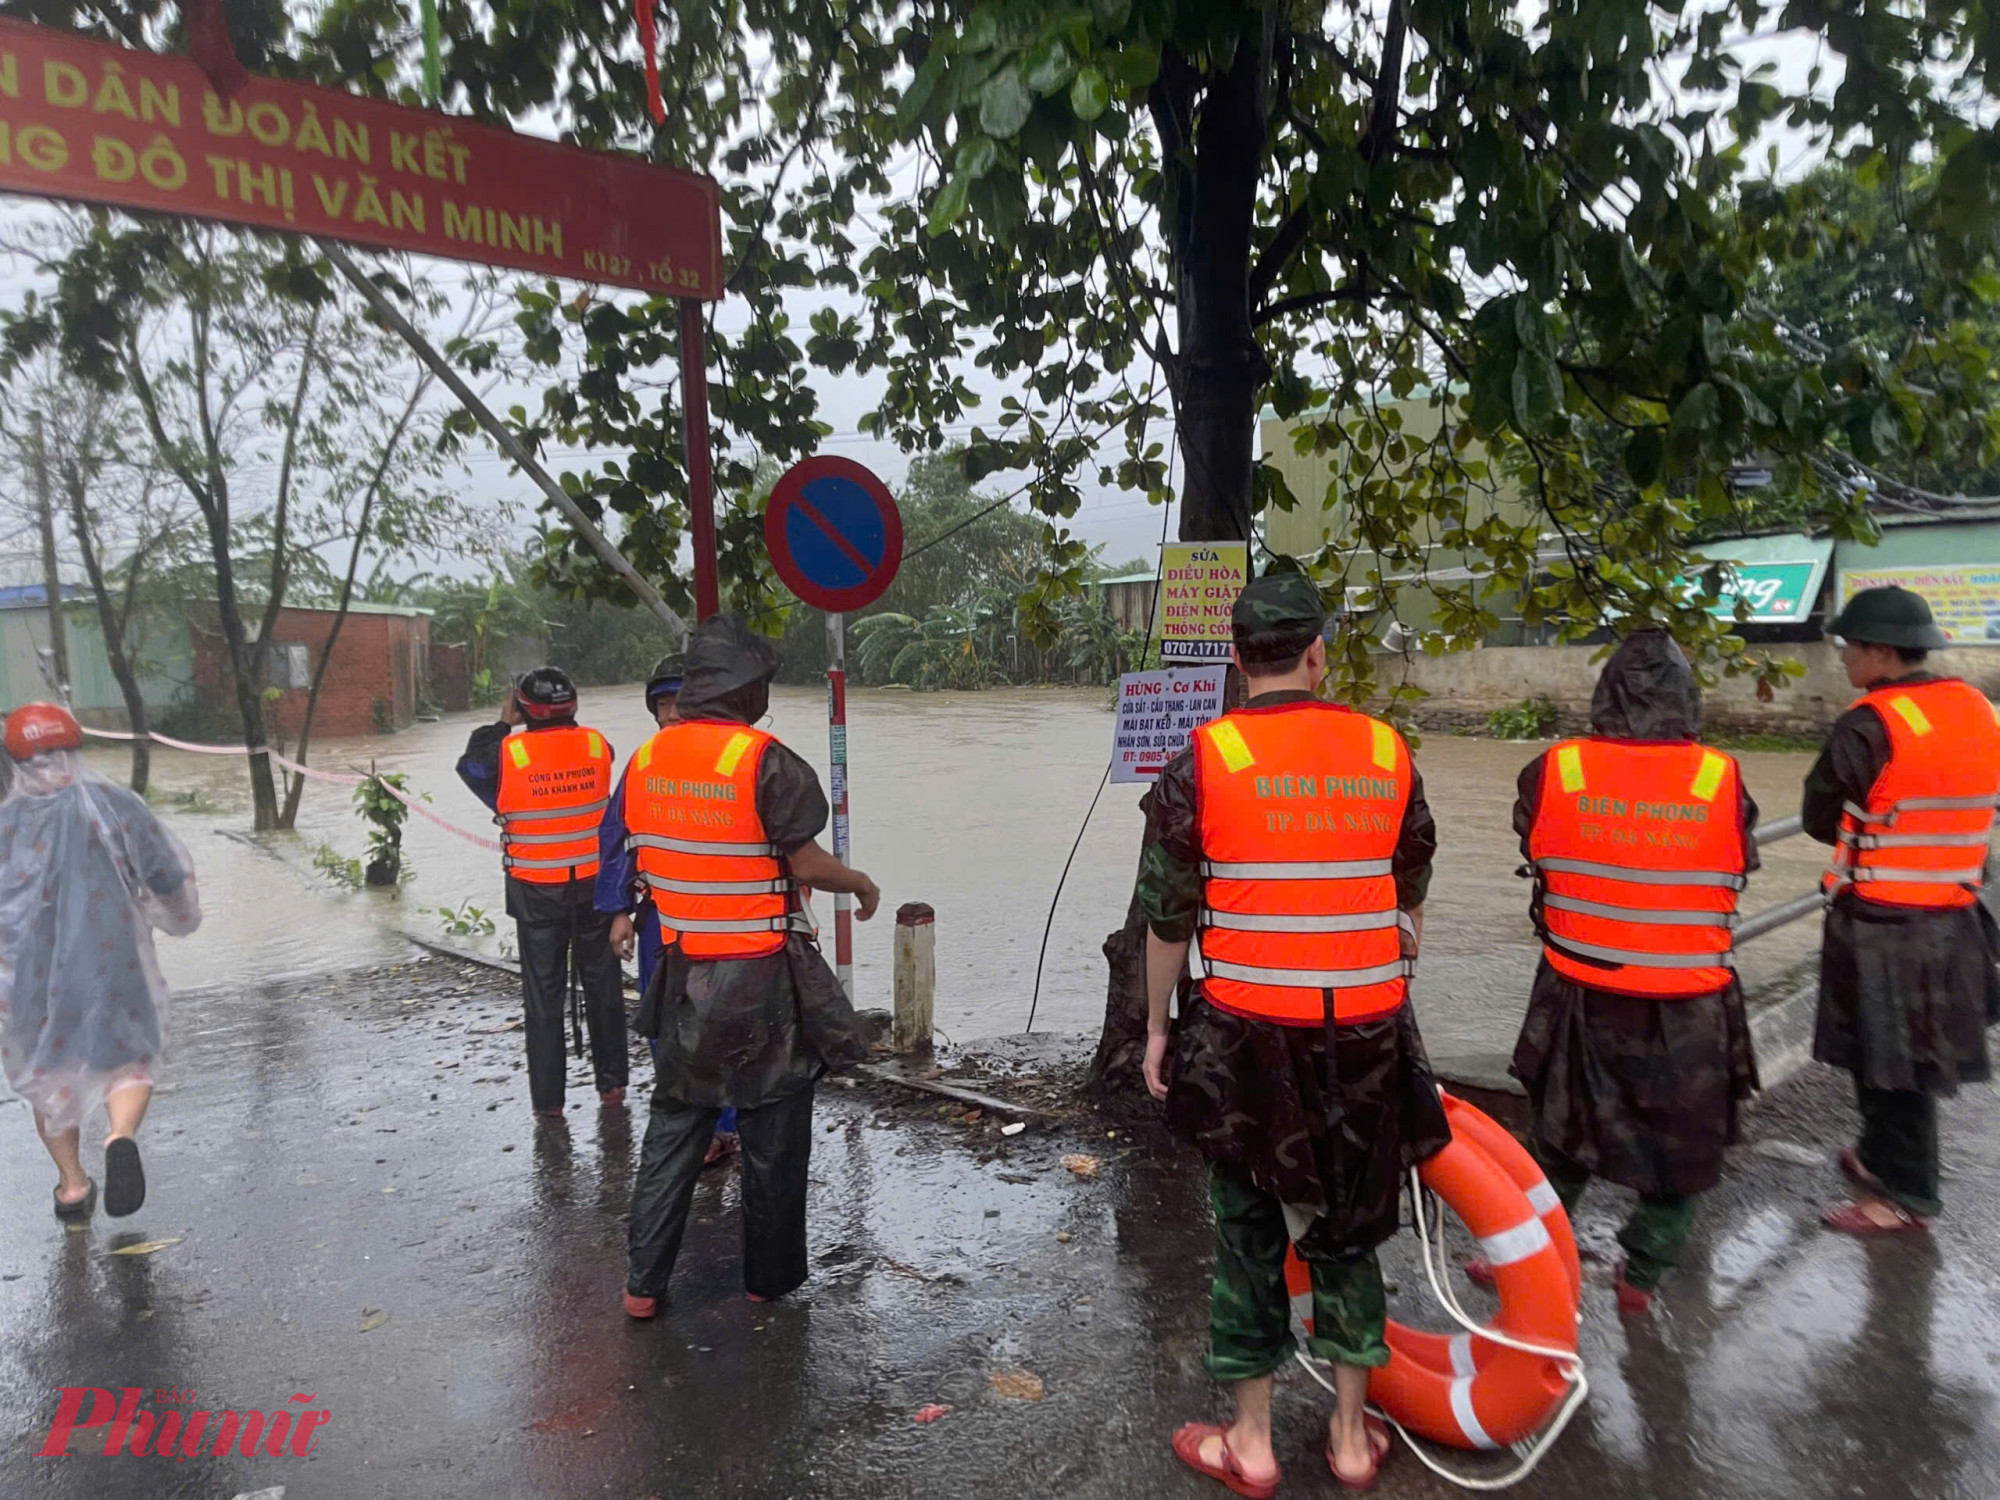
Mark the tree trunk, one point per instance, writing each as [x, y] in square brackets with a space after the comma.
[1220, 367]
[1218, 374]
[247, 682]
[111, 620]
[298, 785]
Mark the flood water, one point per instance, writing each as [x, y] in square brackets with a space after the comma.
[967, 801]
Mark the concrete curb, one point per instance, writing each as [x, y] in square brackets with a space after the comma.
[1781, 1031]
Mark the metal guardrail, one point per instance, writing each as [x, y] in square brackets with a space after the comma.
[1773, 917]
[1778, 828]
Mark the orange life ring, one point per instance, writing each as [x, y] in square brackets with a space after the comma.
[1491, 1137]
[1458, 1389]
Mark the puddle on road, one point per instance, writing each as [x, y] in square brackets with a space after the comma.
[968, 801]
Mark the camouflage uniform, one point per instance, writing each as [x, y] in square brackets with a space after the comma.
[1641, 1092]
[1280, 1121]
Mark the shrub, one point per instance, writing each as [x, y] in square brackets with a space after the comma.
[1530, 719]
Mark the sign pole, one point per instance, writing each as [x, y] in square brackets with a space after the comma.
[701, 477]
[836, 731]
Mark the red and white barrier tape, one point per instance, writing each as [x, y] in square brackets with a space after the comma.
[425, 813]
[336, 777]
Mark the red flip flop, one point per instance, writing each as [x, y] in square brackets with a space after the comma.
[1187, 1448]
[1854, 1219]
[1379, 1444]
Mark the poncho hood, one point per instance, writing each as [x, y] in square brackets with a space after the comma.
[1647, 691]
[729, 671]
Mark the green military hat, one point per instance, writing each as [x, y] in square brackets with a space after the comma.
[1277, 616]
[1890, 617]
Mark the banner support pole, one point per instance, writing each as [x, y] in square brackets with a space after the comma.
[503, 437]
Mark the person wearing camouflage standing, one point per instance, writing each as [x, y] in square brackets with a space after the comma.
[1904, 790]
[1636, 1048]
[1292, 855]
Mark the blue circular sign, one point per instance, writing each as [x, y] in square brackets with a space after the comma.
[834, 533]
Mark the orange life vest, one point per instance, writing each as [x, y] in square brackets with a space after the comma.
[1921, 838]
[720, 886]
[1639, 850]
[554, 787]
[1300, 807]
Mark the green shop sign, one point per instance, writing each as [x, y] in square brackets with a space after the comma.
[1779, 592]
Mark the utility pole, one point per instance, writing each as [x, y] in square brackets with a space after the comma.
[51, 578]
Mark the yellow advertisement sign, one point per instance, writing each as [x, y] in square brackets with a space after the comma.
[1199, 582]
[1965, 600]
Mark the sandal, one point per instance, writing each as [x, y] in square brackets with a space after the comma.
[83, 1208]
[1187, 1448]
[124, 1178]
[1379, 1444]
[1854, 1219]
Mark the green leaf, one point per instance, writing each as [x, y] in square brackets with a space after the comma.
[1645, 453]
[1700, 410]
[1133, 67]
[1537, 390]
[1090, 94]
[1112, 14]
[1050, 66]
[949, 205]
[917, 97]
[1005, 104]
[1794, 405]
[976, 157]
[1884, 430]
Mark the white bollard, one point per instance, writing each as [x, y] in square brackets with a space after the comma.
[916, 977]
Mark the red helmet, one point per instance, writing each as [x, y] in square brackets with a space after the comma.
[34, 728]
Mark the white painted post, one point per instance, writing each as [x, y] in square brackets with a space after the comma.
[916, 977]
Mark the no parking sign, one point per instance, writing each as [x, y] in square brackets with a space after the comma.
[834, 533]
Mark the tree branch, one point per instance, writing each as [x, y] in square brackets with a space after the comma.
[1278, 254]
[1388, 86]
[274, 598]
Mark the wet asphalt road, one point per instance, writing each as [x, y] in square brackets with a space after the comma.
[354, 1223]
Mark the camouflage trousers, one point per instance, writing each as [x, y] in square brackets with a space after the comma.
[1654, 1235]
[1250, 1312]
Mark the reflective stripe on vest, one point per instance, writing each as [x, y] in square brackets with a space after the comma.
[709, 866]
[697, 846]
[1300, 807]
[554, 787]
[1639, 853]
[1933, 801]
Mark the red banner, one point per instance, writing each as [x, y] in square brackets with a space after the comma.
[99, 123]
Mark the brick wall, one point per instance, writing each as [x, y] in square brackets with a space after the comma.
[380, 666]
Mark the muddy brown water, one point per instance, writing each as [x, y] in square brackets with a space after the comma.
[968, 801]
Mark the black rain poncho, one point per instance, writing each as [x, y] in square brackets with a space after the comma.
[1641, 1092]
[1905, 994]
[744, 1032]
[86, 873]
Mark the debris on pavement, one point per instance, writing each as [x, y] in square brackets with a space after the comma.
[1017, 1385]
[1081, 1165]
[930, 1413]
